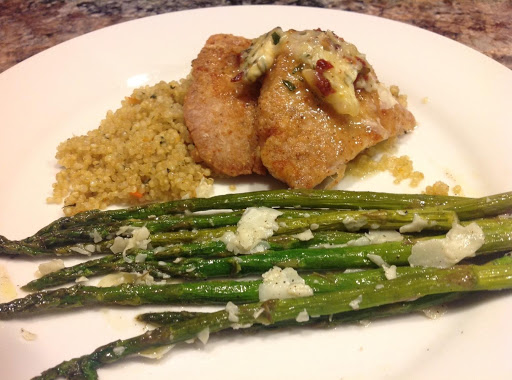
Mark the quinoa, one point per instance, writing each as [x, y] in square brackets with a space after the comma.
[441, 188]
[438, 188]
[380, 158]
[140, 153]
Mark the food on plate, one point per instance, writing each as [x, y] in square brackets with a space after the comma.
[382, 157]
[432, 282]
[416, 252]
[221, 115]
[441, 188]
[140, 153]
[298, 104]
[319, 105]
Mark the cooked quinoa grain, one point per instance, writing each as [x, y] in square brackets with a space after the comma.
[140, 153]
[379, 158]
[438, 188]
[441, 188]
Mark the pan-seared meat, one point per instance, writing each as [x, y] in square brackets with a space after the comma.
[303, 140]
[320, 104]
[221, 114]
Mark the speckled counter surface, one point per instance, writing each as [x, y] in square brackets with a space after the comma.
[28, 27]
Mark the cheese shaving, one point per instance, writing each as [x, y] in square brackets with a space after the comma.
[460, 242]
[256, 225]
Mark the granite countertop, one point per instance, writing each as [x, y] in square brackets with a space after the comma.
[28, 27]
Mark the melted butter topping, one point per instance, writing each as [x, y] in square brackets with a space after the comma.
[260, 56]
[331, 67]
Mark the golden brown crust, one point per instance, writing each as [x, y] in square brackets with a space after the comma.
[221, 114]
[303, 141]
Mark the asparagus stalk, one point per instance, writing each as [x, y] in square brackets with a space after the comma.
[467, 208]
[170, 317]
[108, 264]
[462, 278]
[338, 220]
[118, 263]
[204, 292]
[164, 223]
[217, 248]
[498, 237]
[484, 207]
[196, 268]
[206, 248]
[276, 198]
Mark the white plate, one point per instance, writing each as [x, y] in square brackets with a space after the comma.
[463, 138]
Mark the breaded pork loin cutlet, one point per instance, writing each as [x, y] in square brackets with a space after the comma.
[219, 113]
[303, 140]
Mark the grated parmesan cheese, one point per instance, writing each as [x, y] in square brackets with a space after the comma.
[79, 248]
[376, 237]
[139, 239]
[119, 350]
[303, 316]
[460, 242]
[283, 283]
[204, 335]
[50, 267]
[353, 224]
[314, 226]
[96, 236]
[256, 225]
[389, 271]
[90, 248]
[232, 310]
[354, 304]
[304, 236]
[417, 225]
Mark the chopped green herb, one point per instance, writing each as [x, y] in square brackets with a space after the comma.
[276, 38]
[289, 85]
[298, 68]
